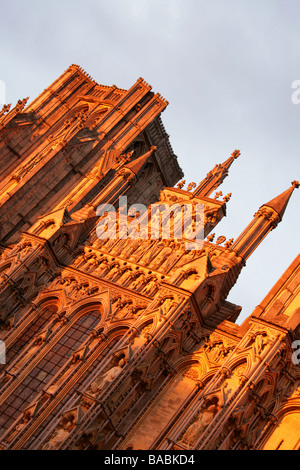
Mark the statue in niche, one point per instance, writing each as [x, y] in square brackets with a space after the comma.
[91, 264]
[107, 378]
[188, 257]
[58, 282]
[153, 251]
[216, 349]
[126, 275]
[130, 247]
[195, 430]
[118, 304]
[148, 252]
[140, 250]
[78, 260]
[24, 250]
[113, 271]
[77, 290]
[219, 351]
[151, 287]
[171, 260]
[161, 258]
[117, 249]
[128, 309]
[70, 286]
[154, 222]
[139, 281]
[260, 342]
[111, 241]
[102, 267]
[166, 305]
[64, 428]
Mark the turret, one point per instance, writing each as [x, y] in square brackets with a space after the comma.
[265, 219]
[215, 177]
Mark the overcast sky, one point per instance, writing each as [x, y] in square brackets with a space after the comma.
[225, 66]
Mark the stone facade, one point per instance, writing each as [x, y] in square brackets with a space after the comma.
[129, 343]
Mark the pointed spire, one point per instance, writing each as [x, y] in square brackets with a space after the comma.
[136, 165]
[280, 202]
[265, 219]
[216, 176]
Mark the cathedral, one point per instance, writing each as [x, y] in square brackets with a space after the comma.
[115, 329]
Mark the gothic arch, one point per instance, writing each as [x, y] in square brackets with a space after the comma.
[196, 363]
[40, 318]
[96, 116]
[171, 392]
[189, 277]
[68, 116]
[280, 435]
[241, 359]
[116, 330]
[85, 306]
[172, 344]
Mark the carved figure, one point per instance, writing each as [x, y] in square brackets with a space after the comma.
[65, 426]
[108, 377]
[196, 429]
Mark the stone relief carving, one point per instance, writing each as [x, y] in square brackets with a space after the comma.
[195, 430]
[103, 380]
[61, 433]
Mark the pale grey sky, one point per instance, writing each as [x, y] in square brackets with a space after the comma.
[225, 66]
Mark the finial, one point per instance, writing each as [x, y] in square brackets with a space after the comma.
[210, 237]
[218, 194]
[236, 154]
[295, 184]
[181, 184]
[229, 243]
[5, 109]
[191, 186]
[227, 197]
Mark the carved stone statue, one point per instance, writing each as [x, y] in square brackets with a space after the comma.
[196, 429]
[114, 271]
[102, 267]
[65, 426]
[139, 282]
[151, 287]
[259, 344]
[105, 379]
[91, 264]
